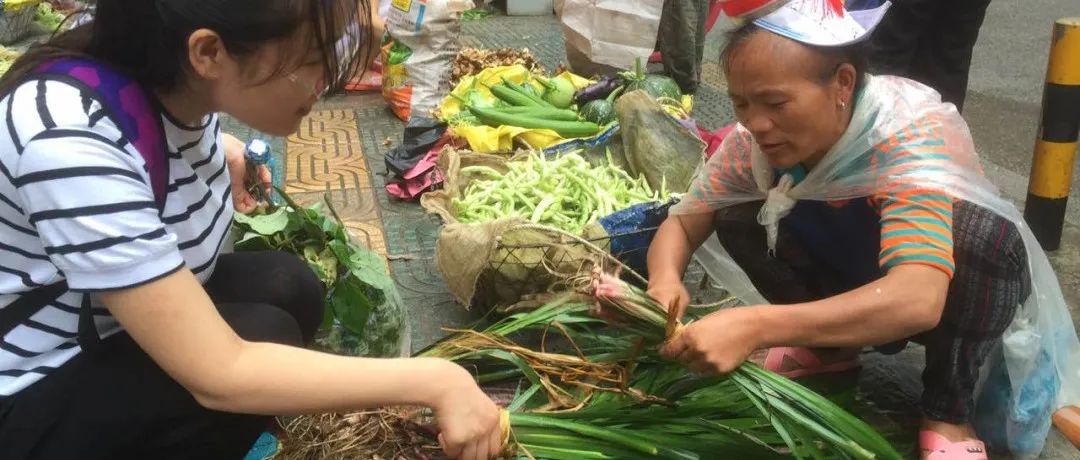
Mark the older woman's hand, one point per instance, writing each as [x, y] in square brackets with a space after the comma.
[671, 295]
[718, 343]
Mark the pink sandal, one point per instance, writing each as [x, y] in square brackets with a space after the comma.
[806, 362]
[940, 448]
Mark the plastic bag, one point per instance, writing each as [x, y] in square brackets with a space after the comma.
[632, 231]
[1038, 369]
[422, 40]
[610, 32]
[657, 145]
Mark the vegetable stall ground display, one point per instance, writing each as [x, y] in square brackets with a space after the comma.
[364, 313]
[513, 225]
[565, 192]
[501, 108]
[591, 391]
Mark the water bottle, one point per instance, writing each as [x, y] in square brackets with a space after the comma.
[257, 153]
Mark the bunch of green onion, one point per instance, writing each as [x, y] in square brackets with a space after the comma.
[657, 409]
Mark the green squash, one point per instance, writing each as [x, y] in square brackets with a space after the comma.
[599, 111]
[658, 86]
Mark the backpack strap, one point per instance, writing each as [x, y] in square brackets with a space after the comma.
[29, 303]
[132, 109]
[129, 105]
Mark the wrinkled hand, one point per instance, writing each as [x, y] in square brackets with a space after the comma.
[243, 200]
[671, 295]
[469, 422]
[718, 343]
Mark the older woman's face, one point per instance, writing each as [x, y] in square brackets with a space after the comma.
[778, 96]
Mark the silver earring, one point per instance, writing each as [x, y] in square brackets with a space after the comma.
[843, 105]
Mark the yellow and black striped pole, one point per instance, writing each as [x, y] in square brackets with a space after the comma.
[1055, 147]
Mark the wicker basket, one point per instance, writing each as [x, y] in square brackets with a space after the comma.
[15, 21]
[531, 260]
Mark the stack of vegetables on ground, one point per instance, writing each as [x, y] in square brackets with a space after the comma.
[565, 192]
[364, 313]
[590, 391]
[611, 396]
[552, 109]
[523, 105]
[597, 101]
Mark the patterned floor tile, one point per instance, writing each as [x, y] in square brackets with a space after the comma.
[315, 168]
[326, 127]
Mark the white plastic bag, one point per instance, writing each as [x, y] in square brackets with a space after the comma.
[1040, 353]
[611, 32]
[418, 57]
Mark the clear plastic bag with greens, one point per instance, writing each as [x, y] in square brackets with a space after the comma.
[364, 313]
[1038, 367]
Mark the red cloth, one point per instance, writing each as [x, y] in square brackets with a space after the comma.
[714, 139]
[422, 177]
[371, 80]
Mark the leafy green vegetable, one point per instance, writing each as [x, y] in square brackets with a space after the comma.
[266, 224]
[476, 14]
[364, 313]
[351, 306]
[49, 18]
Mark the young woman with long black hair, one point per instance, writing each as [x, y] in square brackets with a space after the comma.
[144, 342]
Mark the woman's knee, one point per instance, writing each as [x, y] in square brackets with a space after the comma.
[295, 272]
[306, 294]
[258, 322]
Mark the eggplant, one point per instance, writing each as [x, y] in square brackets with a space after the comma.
[599, 90]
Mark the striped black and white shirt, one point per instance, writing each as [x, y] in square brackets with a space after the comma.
[76, 204]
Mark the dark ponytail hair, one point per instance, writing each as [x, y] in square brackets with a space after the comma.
[147, 39]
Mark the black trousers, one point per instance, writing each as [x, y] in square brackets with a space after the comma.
[930, 41]
[990, 283]
[116, 403]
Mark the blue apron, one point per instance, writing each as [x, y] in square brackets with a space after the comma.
[845, 238]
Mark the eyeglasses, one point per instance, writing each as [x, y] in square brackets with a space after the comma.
[313, 88]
